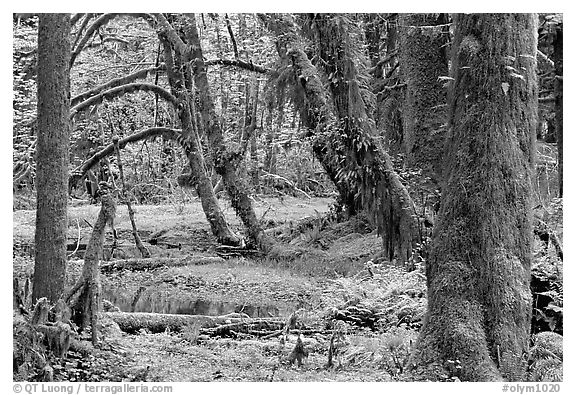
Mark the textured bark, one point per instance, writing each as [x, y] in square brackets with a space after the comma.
[88, 304]
[52, 156]
[423, 61]
[223, 163]
[479, 301]
[559, 98]
[200, 178]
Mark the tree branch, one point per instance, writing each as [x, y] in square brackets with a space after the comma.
[238, 63]
[102, 20]
[140, 74]
[229, 27]
[166, 28]
[121, 90]
[81, 29]
[81, 171]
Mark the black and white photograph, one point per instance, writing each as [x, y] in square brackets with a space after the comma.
[287, 197]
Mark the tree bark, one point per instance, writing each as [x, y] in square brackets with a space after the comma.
[88, 304]
[223, 160]
[191, 140]
[52, 156]
[423, 62]
[479, 301]
[558, 99]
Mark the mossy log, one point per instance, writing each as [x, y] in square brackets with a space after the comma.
[218, 325]
[137, 264]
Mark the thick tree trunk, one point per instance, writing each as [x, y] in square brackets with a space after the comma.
[191, 140]
[52, 156]
[345, 144]
[479, 301]
[423, 62]
[223, 160]
[559, 98]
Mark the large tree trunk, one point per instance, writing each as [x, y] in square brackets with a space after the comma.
[345, 144]
[52, 156]
[191, 142]
[224, 162]
[423, 62]
[479, 301]
[559, 71]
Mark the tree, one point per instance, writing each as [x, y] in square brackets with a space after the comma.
[344, 142]
[423, 63]
[52, 156]
[479, 300]
[559, 99]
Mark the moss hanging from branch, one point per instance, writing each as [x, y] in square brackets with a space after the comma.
[344, 143]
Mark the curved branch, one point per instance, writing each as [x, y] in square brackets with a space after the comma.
[102, 20]
[80, 172]
[75, 18]
[81, 28]
[140, 74]
[238, 63]
[121, 90]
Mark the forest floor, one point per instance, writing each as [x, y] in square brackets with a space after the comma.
[318, 270]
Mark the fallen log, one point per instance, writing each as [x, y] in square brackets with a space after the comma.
[212, 325]
[155, 323]
[245, 326]
[137, 264]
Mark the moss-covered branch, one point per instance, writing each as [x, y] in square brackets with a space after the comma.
[81, 171]
[238, 63]
[99, 22]
[122, 90]
[127, 79]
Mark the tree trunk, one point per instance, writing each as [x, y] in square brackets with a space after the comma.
[88, 304]
[559, 71]
[223, 160]
[52, 156]
[191, 140]
[345, 144]
[423, 62]
[479, 301]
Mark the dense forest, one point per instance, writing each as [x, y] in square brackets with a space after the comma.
[287, 197]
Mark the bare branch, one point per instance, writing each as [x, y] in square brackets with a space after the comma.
[229, 27]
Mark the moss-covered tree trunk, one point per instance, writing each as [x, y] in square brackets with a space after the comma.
[200, 179]
[224, 162]
[343, 140]
[479, 301]
[423, 62]
[87, 306]
[559, 98]
[52, 156]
